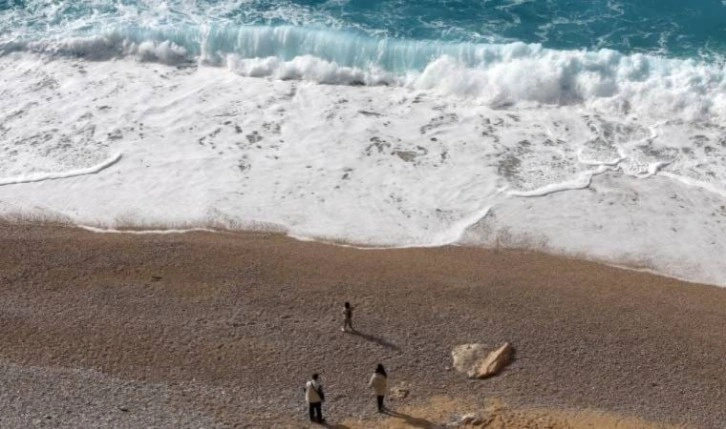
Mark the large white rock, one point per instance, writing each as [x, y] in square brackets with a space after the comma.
[477, 361]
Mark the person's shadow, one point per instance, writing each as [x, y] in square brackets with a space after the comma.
[334, 425]
[380, 341]
[416, 422]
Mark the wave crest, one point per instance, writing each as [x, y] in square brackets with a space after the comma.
[499, 74]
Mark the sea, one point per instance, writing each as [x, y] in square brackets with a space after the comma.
[590, 129]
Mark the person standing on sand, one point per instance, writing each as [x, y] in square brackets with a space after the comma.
[379, 383]
[347, 317]
[315, 397]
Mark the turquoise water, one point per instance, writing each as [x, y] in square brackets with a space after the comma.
[393, 34]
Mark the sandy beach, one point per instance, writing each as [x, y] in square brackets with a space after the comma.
[223, 329]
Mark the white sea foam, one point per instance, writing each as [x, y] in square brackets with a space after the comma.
[143, 231]
[372, 165]
[581, 180]
[498, 74]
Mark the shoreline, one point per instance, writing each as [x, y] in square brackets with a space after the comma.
[228, 326]
[390, 156]
[280, 230]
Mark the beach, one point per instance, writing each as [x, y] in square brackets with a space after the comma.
[191, 190]
[222, 329]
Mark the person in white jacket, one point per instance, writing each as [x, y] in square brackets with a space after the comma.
[379, 383]
[315, 397]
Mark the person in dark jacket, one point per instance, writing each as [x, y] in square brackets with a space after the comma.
[347, 318]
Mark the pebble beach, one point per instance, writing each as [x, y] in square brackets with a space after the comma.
[223, 329]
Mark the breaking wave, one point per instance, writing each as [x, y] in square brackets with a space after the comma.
[499, 74]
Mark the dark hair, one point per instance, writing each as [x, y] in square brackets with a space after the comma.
[347, 304]
[315, 376]
[381, 370]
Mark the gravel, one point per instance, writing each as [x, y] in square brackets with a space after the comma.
[222, 330]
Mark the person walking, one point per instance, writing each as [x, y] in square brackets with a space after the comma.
[314, 396]
[379, 383]
[347, 317]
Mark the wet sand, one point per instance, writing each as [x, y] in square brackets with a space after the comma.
[223, 329]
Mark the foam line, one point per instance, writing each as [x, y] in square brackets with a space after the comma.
[460, 227]
[142, 231]
[695, 183]
[53, 176]
[581, 181]
[653, 169]
[595, 163]
[451, 237]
